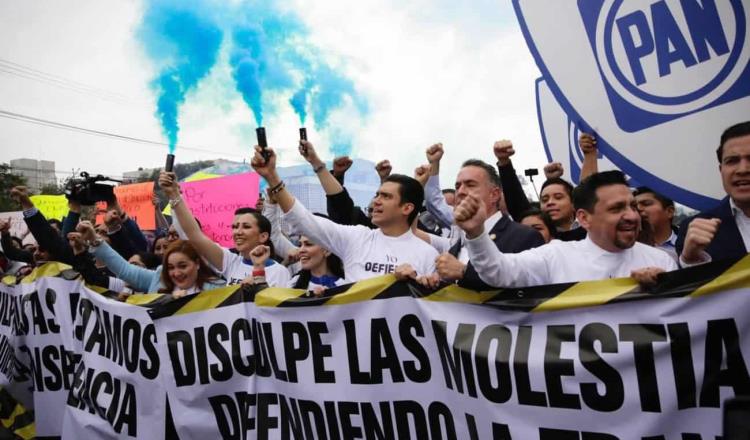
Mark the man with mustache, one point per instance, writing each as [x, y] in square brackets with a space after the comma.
[605, 207]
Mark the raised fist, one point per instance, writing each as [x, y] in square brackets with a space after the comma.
[435, 153]
[265, 167]
[341, 165]
[587, 142]
[259, 255]
[422, 173]
[168, 184]
[553, 170]
[384, 169]
[700, 233]
[503, 151]
[470, 215]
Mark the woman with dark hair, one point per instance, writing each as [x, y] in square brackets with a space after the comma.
[159, 246]
[181, 273]
[250, 229]
[320, 268]
[541, 221]
[146, 260]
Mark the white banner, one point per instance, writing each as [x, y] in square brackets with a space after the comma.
[380, 359]
[116, 392]
[91, 363]
[414, 368]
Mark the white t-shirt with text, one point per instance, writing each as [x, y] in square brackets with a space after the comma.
[365, 252]
[234, 269]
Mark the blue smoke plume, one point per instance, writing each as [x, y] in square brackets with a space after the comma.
[299, 101]
[184, 44]
[270, 55]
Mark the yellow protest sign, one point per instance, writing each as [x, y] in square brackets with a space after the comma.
[51, 206]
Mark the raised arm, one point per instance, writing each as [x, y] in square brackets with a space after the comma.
[433, 195]
[324, 232]
[10, 251]
[71, 220]
[281, 245]
[329, 183]
[45, 235]
[161, 222]
[515, 198]
[139, 278]
[206, 247]
[590, 155]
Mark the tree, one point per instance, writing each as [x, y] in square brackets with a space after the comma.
[7, 181]
[181, 169]
[52, 189]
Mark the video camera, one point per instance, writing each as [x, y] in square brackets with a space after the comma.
[87, 191]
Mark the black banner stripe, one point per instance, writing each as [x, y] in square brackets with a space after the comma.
[679, 283]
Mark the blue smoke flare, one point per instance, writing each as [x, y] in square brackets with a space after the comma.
[269, 53]
[184, 45]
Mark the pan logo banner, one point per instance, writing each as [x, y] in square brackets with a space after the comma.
[656, 81]
[661, 60]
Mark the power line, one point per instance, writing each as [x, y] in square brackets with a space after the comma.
[71, 173]
[11, 68]
[75, 128]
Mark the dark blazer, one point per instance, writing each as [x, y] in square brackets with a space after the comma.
[48, 239]
[510, 238]
[572, 235]
[727, 242]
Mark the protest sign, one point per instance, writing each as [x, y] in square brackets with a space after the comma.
[200, 175]
[658, 81]
[137, 200]
[116, 391]
[51, 206]
[39, 315]
[599, 360]
[18, 226]
[213, 202]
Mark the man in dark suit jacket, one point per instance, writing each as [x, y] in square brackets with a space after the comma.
[481, 180]
[724, 231]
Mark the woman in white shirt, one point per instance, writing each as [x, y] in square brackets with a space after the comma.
[321, 269]
[249, 229]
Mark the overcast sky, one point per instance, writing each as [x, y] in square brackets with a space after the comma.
[432, 70]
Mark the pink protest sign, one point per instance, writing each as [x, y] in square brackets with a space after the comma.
[214, 201]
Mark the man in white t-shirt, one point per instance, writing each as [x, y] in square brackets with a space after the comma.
[606, 208]
[366, 253]
[249, 229]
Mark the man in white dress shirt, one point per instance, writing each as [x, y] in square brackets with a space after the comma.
[605, 207]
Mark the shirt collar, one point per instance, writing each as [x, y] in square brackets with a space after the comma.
[597, 250]
[574, 225]
[735, 210]
[492, 221]
[671, 241]
[249, 262]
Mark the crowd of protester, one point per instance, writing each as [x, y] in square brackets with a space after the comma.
[482, 233]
